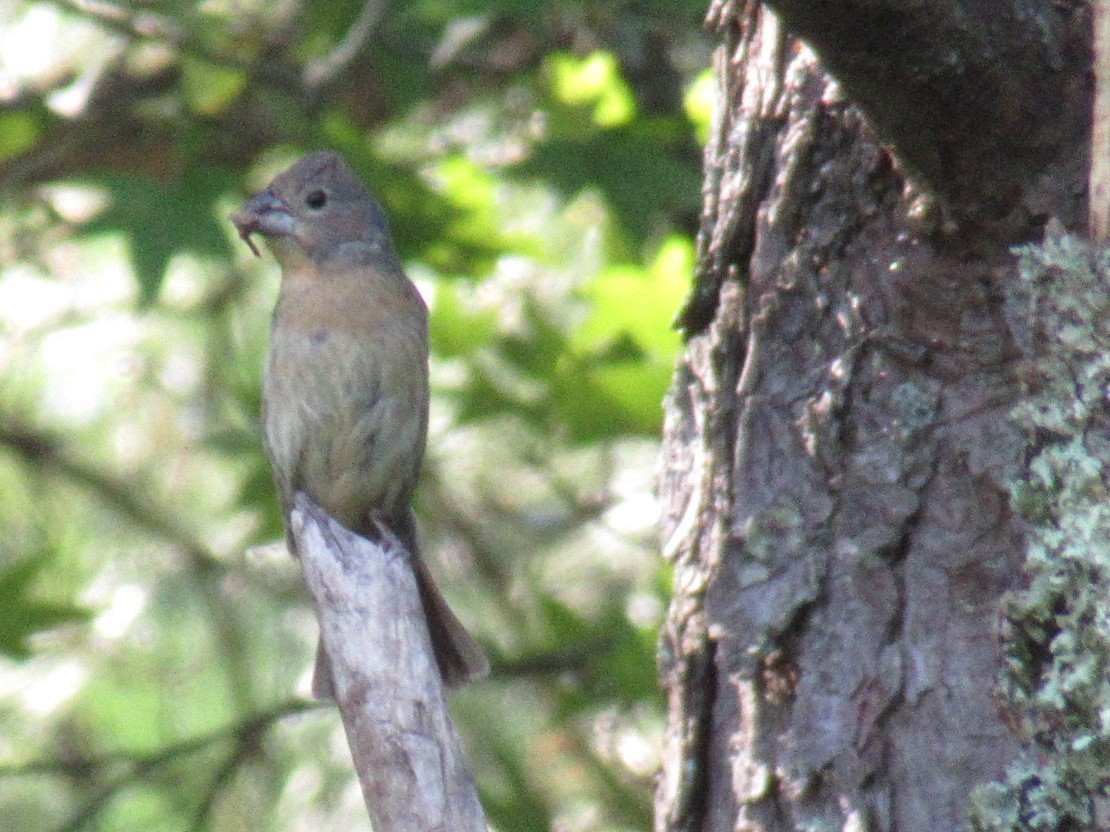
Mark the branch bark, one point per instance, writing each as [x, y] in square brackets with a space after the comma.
[1098, 223]
[407, 753]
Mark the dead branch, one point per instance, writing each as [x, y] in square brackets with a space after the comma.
[409, 760]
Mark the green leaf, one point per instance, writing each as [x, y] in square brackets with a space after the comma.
[593, 81]
[18, 132]
[24, 616]
[700, 101]
[629, 166]
[515, 802]
[455, 329]
[209, 89]
[627, 671]
[567, 625]
[159, 219]
[640, 302]
[609, 400]
[332, 20]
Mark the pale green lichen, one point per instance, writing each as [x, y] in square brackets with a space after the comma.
[1057, 630]
[915, 406]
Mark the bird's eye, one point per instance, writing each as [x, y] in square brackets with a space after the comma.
[316, 200]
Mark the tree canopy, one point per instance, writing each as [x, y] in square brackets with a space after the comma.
[540, 167]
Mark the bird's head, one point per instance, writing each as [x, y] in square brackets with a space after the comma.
[317, 211]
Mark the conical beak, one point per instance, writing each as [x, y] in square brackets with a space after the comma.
[266, 214]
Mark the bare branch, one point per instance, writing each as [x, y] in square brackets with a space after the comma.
[323, 70]
[83, 767]
[152, 26]
[410, 763]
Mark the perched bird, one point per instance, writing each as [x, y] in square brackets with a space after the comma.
[345, 397]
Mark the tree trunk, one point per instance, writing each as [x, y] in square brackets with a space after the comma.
[837, 440]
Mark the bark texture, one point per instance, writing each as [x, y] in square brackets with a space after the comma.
[836, 450]
[410, 762]
[981, 98]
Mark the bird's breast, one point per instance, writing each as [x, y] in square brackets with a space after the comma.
[345, 409]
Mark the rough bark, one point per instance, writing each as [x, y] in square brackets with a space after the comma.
[410, 763]
[986, 102]
[835, 454]
[980, 97]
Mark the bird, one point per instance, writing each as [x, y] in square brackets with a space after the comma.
[345, 391]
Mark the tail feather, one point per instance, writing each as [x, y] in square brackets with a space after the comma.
[458, 656]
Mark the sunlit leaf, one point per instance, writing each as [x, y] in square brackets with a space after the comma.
[18, 132]
[700, 101]
[594, 80]
[209, 88]
[640, 302]
[609, 400]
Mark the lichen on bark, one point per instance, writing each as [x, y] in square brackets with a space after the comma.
[1057, 629]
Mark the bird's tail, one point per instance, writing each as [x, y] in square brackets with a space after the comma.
[458, 655]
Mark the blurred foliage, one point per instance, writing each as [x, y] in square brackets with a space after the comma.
[540, 165]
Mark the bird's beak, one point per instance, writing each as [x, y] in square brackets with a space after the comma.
[266, 214]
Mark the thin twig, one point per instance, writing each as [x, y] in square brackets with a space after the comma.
[321, 71]
[245, 734]
[147, 760]
[246, 744]
[47, 453]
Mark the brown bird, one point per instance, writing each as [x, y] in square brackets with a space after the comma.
[345, 397]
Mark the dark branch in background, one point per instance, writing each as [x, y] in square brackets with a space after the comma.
[49, 455]
[308, 84]
[108, 134]
[246, 746]
[449, 514]
[128, 498]
[148, 25]
[245, 735]
[977, 97]
[575, 659]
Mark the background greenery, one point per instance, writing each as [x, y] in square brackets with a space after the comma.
[540, 164]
